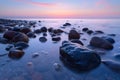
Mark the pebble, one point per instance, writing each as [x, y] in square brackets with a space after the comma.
[35, 55]
[29, 63]
[57, 66]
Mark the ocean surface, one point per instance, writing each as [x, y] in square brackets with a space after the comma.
[42, 67]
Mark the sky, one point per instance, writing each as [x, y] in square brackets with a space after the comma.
[60, 8]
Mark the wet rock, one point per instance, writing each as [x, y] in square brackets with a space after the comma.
[58, 31]
[117, 56]
[78, 56]
[43, 39]
[16, 29]
[112, 35]
[29, 63]
[21, 45]
[15, 54]
[67, 24]
[2, 29]
[31, 35]
[25, 30]
[73, 34]
[37, 31]
[45, 34]
[77, 41]
[85, 29]
[43, 29]
[3, 40]
[111, 40]
[35, 55]
[10, 46]
[20, 37]
[89, 31]
[10, 35]
[101, 43]
[57, 66]
[98, 32]
[112, 64]
[56, 38]
[50, 29]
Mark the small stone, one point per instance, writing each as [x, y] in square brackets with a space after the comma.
[35, 55]
[57, 66]
[29, 63]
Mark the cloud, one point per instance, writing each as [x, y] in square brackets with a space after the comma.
[104, 4]
[44, 4]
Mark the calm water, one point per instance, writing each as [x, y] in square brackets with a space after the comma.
[42, 66]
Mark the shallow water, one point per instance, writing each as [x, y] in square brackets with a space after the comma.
[42, 67]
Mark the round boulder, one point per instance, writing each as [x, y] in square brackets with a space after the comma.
[73, 34]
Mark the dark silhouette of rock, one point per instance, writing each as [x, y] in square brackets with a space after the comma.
[58, 31]
[73, 34]
[15, 54]
[77, 41]
[101, 43]
[56, 38]
[16, 29]
[21, 45]
[111, 40]
[85, 29]
[89, 31]
[31, 35]
[20, 37]
[10, 35]
[79, 57]
[3, 40]
[25, 30]
[37, 31]
[43, 39]
[43, 29]
[2, 29]
[98, 32]
[50, 29]
[67, 24]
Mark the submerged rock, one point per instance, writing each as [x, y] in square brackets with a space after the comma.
[111, 40]
[57, 66]
[43, 39]
[78, 56]
[73, 35]
[89, 31]
[112, 64]
[85, 29]
[35, 55]
[56, 38]
[15, 54]
[76, 41]
[21, 45]
[67, 24]
[101, 43]
[31, 35]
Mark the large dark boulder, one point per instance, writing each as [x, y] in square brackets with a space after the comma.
[73, 34]
[79, 57]
[15, 36]
[101, 43]
[25, 30]
[20, 37]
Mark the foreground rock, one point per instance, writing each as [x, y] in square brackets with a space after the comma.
[79, 57]
[76, 41]
[112, 64]
[21, 45]
[101, 43]
[73, 35]
[15, 54]
[16, 36]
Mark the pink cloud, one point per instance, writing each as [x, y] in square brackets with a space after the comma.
[104, 4]
[37, 3]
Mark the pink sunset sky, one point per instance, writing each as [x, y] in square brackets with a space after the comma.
[60, 8]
